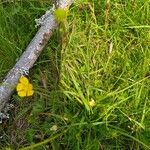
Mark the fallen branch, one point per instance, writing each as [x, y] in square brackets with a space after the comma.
[32, 52]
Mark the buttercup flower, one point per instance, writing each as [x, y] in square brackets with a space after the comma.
[24, 87]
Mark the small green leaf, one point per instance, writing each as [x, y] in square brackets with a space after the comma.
[61, 14]
[29, 135]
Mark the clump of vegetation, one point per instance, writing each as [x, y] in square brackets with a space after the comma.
[91, 84]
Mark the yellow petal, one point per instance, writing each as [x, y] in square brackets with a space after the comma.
[30, 93]
[30, 86]
[22, 93]
[19, 87]
[30, 90]
[24, 80]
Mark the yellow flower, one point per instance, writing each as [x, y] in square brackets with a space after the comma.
[92, 103]
[24, 88]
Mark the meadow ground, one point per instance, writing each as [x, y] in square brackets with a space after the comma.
[92, 85]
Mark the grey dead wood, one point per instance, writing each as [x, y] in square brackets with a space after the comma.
[31, 53]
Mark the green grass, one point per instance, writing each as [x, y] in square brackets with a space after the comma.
[103, 55]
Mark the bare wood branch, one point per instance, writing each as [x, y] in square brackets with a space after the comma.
[30, 55]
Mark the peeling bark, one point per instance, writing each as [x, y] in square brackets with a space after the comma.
[30, 55]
